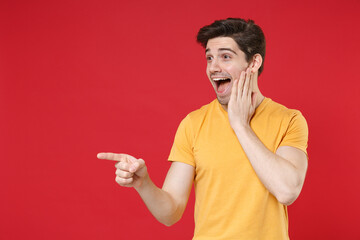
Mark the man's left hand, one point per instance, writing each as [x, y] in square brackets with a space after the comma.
[242, 101]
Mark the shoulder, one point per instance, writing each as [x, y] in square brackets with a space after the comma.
[275, 114]
[293, 126]
[199, 114]
[190, 125]
[291, 119]
[278, 110]
[195, 119]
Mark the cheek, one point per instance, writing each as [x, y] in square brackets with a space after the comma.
[235, 71]
[207, 71]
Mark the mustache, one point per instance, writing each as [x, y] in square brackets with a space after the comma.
[220, 76]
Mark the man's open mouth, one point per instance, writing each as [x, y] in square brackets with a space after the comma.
[222, 84]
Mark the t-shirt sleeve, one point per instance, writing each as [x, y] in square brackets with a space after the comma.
[182, 149]
[297, 133]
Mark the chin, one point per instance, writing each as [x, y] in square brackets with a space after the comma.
[223, 101]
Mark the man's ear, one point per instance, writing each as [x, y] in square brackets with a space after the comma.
[256, 62]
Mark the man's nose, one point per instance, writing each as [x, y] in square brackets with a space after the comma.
[214, 66]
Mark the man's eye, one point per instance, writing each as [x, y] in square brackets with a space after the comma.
[226, 56]
[209, 58]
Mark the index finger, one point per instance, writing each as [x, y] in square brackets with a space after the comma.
[119, 157]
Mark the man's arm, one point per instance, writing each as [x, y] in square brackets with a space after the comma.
[283, 172]
[167, 204]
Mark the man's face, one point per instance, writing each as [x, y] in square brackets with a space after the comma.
[225, 62]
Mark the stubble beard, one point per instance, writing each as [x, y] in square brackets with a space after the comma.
[223, 101]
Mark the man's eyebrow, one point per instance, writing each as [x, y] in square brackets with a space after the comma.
[222, 49]
[227, 49]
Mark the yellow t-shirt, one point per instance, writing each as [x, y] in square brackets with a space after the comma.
[231, 202]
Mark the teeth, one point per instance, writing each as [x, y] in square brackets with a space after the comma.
[219, 79]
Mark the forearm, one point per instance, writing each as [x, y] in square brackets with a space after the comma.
[277, 174]
[159, 202]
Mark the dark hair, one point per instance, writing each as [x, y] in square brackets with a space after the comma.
[248, 36]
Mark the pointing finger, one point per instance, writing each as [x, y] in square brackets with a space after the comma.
[109, 156]
[115, 157]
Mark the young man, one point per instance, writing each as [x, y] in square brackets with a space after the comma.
[245, 154]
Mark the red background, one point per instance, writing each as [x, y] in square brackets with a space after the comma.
[80, 77]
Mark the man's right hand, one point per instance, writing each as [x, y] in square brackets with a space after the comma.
[130, 172]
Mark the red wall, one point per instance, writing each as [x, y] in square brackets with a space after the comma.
[80, 77]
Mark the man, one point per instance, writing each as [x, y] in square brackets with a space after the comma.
[245, 154]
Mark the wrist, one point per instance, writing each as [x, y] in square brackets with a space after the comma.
[144, 183]
[241, 128]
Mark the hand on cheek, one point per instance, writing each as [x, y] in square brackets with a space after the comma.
[241, 105]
